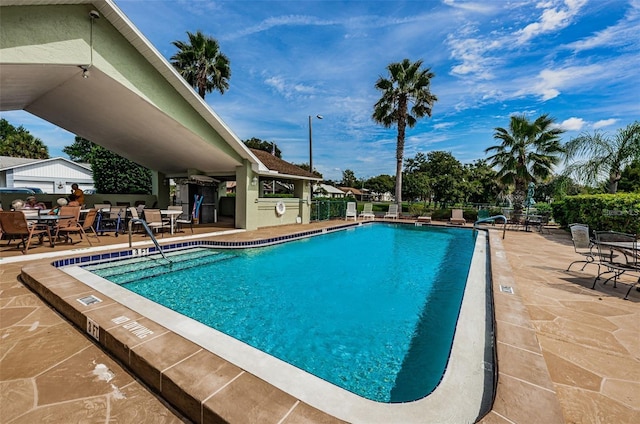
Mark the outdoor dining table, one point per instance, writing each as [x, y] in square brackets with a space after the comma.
[50, 219]
[624, 245]
[172, 214]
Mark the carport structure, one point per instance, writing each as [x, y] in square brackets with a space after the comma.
[83, 66]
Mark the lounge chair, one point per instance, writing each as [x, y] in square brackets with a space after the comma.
[483, 214]
[14, 225]
[456, 217]
[392, 212]
[367, 211]
[583, 245]
[424, 219]
[351, 211]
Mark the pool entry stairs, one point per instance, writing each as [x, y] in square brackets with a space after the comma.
[149, 266]
[148, 231]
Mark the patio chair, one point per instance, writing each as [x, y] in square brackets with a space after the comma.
[351, 211]
[89, 224]
[68, 226]
[484, 214]
[583, 245]
[619, 253]
[367, 211]
[457, 217]
[154, 221]
[180, 222]
[14, 225]
[392, 212]
[133, 212]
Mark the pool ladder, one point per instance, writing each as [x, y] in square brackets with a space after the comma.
[149, 232]
[493, 218]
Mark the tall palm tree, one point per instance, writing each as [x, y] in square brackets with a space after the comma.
[603, 155]
[407, 84]
[201, 63]
[527, 153]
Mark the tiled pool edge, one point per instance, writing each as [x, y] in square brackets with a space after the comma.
[62, 294]
[133, 252]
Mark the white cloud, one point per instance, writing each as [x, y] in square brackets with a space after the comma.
[288, 90]
[551, 19]
[572, 124]
[550, 81]
[473, 51]
[624, 32]
[470, 6]
[604, 123]
[443, 125]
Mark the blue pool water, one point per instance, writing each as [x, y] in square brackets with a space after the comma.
[372, 310]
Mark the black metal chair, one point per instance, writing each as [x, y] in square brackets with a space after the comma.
[583, 245]
[619, 253]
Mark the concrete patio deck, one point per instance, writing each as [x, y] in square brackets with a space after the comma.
[566, 353]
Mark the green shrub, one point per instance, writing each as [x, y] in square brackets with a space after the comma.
[602, 212]
[419, 209]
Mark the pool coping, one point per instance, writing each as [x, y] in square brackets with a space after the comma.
[63, 294]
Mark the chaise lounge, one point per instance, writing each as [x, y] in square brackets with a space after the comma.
[457, 217]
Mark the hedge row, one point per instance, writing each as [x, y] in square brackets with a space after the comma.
[602, 212]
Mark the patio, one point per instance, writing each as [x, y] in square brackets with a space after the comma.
[566, 353]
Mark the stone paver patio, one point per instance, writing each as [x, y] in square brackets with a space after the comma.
[566, 353]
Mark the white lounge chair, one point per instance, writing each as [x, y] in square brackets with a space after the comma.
[351, 211]
[392, 212]
[367, 211]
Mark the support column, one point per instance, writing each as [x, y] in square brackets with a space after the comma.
[301, 190]
[160, 189]
[246, 197]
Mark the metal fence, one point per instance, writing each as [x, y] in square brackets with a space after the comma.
[322, 210]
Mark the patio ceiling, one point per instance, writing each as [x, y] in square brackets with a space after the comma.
[103, 111]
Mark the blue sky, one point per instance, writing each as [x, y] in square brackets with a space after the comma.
[576, 60]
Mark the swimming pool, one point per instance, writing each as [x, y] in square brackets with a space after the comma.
[372, 310]
[463, 394]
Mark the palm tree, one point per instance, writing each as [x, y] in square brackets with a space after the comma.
[201, 63]
[603, 155]
[407, 84]
[528, 152]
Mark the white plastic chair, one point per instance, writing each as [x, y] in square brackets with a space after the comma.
[392, 212]
[367, 211]
[351, 211]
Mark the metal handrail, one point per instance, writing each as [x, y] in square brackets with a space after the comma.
[149, 232]
[493, 218]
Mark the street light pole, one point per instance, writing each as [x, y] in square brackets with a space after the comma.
[311, 143]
